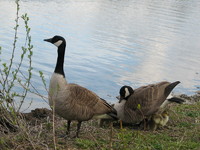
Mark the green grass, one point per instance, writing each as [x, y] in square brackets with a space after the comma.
[182, 133]
[85, 143]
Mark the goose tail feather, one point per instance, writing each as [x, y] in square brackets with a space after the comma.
[176, 100]
[113, 111]
[170, 87]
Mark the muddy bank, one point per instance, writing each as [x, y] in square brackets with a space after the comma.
[191, 99]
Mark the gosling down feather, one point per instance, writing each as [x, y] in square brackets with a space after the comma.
[135, 105]
[158, 120]
[72, 101]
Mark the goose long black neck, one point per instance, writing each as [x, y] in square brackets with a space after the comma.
[60, 60]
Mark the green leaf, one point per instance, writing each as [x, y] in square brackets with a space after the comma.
[138, 106]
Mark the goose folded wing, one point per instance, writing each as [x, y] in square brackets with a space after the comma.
[86, 99]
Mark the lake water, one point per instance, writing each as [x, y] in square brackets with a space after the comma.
[110, 43]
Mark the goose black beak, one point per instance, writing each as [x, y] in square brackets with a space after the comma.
[119, 98]
[48, 40]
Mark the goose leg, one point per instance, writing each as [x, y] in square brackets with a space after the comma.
[68, 126]
[121, 126]
[145, 124]
[78, 128]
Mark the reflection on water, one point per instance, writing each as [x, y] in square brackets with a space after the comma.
[111, 43]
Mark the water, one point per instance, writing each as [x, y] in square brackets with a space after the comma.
[110, 43]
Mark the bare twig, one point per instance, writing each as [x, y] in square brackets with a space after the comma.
[111, 136]
[95, 140]
[36, 91]
[54, 133]
[182, 138]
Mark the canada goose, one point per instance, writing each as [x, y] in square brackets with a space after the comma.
[71, 101]
[136, 105]
[158, 120]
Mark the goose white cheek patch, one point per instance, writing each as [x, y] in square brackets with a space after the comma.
[58, 43]
[127, 93]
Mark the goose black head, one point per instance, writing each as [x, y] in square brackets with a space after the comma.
[125, 92]
[56, 40]
[59, 42]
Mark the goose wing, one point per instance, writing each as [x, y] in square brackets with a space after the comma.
[146, 100]
[86, 103]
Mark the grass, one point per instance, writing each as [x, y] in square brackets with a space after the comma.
[182, 132]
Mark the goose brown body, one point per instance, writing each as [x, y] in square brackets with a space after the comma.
[146, 101]
[74, 102]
